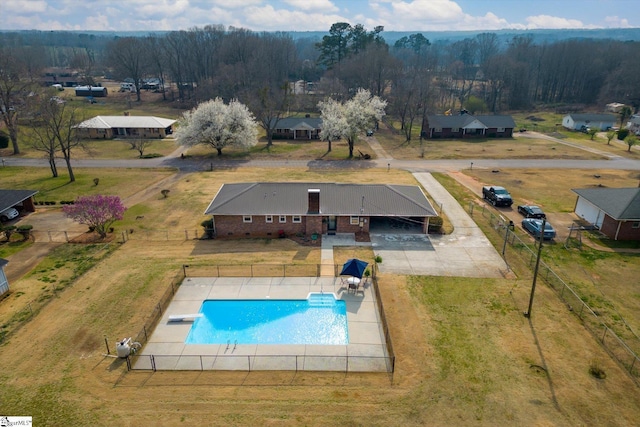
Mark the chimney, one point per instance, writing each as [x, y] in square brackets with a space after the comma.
[314, 201]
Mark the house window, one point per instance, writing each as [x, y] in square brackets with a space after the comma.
[247, 218]
[635, 224]
[438, 130]
[500, 129]
[282, 219]
[268, 218]
[354, 220]
[455, 129]
[296, 219]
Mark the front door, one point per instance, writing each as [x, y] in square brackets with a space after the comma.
[332, 222]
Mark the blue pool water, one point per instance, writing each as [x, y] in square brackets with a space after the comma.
[320, 319]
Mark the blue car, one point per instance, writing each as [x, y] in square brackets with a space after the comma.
[533, 226]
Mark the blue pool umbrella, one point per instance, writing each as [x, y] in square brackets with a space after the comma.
[354, 267]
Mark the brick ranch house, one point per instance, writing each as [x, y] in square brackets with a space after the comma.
[297, 128]
[464, 126]
[276, 209]
[614, 211]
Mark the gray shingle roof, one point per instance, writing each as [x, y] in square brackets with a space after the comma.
[278, 198]
[309, 123]
[467, 120]
[9, 198]
[618, 203]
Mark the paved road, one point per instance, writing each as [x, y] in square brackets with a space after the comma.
[194, 165]
[383, 160]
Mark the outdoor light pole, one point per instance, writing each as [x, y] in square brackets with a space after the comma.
[535, 270]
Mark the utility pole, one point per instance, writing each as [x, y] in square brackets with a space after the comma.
[535, 270]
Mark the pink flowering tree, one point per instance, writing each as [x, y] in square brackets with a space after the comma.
[98, 212]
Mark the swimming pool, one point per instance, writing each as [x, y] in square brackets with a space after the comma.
[319, 319]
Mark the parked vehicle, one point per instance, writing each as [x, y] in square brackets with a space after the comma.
[529, 211]
[534, 226]
[8, 214]
[497, 196]
[127, 87]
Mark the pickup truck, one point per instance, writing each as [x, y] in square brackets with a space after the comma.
[497, 196]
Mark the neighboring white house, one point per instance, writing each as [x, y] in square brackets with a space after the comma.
[4, 282]
[107, 127]
[584, 121]
[634, 124]
[614, 107]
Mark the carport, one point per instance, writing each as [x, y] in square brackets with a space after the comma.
[22, 200]
[397, 225]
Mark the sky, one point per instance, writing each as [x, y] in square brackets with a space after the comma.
[317, 15]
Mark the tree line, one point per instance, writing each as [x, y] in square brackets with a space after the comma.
[414, 76]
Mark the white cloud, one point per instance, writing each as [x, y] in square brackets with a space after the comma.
[229, 4]
[617, 22]
[268, 18]
[161, 8]
[430, 10]
[22, 7]
[547, 21]
[313, 5]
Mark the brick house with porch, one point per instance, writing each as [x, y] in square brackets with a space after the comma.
[464, 126]
[276, 209]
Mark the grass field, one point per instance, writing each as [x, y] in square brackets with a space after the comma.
[605, 280]
[465, 354]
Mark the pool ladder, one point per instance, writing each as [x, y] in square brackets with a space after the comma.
[235, 344]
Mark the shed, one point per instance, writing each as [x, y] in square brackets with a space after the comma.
[95, 91]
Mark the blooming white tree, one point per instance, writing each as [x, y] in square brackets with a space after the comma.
[218, 125]
[352, 118]
[334, 122]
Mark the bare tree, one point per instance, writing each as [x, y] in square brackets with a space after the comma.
[44, 138]
[127, 55]
[60, 122]
[14, 90]
[139, 144]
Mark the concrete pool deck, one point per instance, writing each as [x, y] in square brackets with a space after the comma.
[166, 348]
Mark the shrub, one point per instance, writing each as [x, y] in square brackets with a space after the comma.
[165, 193]
[25, 231]
[4, 140]
[8, 230]
[622, 134]
[596, 371]
[207, 224]
[378, 259]
[96, 181]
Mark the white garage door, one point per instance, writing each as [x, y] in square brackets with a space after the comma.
[589, 212]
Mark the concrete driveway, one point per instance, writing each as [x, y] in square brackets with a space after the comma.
[464, 253]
